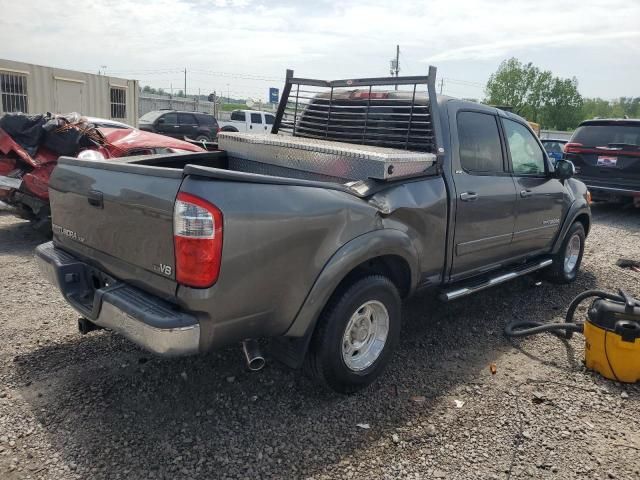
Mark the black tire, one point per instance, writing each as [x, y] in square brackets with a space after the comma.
[324, 362]
[557, 272]
[202, 138]
[229, 129]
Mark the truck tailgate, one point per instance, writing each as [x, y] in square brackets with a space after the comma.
[119, 217]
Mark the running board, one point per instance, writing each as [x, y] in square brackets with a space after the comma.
[505, 276]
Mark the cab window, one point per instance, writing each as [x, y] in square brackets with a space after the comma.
[480, 148]
[256, 118]
[527, 158]
[268, 119]
[238, 115]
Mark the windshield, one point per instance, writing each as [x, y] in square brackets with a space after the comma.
[553, 146]
[151, 116]
[603, 135]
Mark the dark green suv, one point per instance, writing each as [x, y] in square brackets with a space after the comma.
[179, 124]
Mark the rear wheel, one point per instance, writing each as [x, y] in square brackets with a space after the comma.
[356, 335]
[566, 262]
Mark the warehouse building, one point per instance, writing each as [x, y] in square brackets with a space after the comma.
[34, 89]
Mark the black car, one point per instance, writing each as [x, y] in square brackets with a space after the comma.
[606, 154]
[178, 124]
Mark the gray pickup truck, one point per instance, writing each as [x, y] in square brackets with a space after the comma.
[312, 235]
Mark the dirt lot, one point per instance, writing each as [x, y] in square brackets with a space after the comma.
[95, 406]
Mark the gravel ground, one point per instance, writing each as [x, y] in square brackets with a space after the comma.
[97, 407]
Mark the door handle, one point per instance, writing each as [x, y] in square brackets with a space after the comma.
[176, 126]
[468, 196]
[95, 199]
[251, 126]
[526, 193]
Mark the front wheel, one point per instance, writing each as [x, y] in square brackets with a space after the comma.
[203, 138]
[356, 335]
[566, 262]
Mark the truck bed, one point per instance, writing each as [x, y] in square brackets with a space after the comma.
[218, 164]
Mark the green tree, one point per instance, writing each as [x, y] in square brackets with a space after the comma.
[535, 94]
[563, 109]
[600, 108]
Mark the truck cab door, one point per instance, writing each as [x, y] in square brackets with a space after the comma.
[256, 123]
[167, 124]
[187, 125]
[485, 196]
[542, 201]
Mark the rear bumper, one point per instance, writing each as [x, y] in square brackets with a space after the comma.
[607, 189]
[148, 321]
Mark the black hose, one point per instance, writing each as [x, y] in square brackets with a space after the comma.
[526, 328]
[530, 327]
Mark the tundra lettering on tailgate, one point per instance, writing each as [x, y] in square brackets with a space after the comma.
[67, 233]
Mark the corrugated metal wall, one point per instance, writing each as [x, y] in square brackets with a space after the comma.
[56, 90]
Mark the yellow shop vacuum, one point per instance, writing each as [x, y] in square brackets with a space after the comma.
[611, 333]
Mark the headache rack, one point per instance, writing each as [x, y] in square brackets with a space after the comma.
[392, 112]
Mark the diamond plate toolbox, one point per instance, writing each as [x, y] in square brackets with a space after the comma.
[335, 159]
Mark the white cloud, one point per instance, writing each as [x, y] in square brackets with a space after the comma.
[153, 40]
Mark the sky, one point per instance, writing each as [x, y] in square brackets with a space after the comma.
[242, 47]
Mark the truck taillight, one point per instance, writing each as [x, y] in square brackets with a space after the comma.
[197, 236]
[360, 95]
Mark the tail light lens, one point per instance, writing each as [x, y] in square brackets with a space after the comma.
[197, 236]
[572, 147]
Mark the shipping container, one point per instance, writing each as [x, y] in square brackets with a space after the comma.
[34, 89]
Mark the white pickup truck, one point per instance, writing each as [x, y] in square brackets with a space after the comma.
[250, 121]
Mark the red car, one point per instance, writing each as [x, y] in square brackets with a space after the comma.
[24, 179]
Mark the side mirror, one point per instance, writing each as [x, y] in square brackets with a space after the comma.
[564, 169]
[161, 121]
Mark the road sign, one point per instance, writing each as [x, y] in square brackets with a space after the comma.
[274, 93]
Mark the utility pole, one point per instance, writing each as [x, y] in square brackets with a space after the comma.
[185, 81]
[395, 64]
[441, 85]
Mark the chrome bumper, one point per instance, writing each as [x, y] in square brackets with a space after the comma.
[148, 321]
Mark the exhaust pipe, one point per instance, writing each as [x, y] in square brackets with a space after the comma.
[253, 355]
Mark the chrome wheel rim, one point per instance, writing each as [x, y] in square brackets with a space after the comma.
[365, 335]
[572, 253]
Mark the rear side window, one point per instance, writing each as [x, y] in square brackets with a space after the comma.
[480, 150]
[603, 135]
[240, 116]
[206, 120]
[187, 119]
[527, 157]
[256, 118]
[170, 118]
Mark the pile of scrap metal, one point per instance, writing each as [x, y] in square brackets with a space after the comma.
[30, 147]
